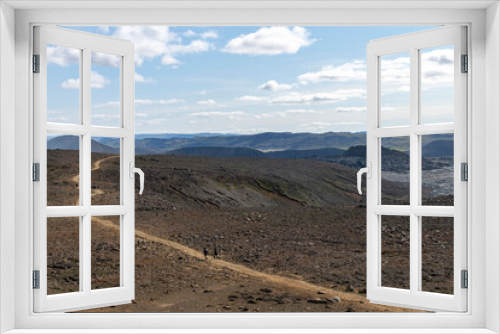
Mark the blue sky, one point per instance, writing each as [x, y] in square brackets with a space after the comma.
[246, 79]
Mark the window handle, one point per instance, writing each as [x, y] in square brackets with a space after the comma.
[368, 171]
[141, 176]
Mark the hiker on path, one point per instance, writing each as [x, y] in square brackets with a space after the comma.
[216, 252]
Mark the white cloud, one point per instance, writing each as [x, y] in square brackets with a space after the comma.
[156, 121]
[140, 102]
[270, 41]
[437, 68]
[206, 102]
[336, 96]
[71, 84]
[189, 34]
[141, 115]
[149, 41]
[96, 81]
[104, 59]
[140, 78]
[300, 111]
[155, 41]
[230, 115]
[64, 56]
[104, 116]
[285, 113]
[195, 46]
[355, 71]
[395, 71]
[322, 126]
[350, 109]
[110, 104]
[209, 34]
[436, 71]
[202, 92]
[103, 29]
[274, 86]
[252, 98]
[316, 124]
[54, 112]
[168, 59]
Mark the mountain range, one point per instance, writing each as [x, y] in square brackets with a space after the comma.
[262, 145]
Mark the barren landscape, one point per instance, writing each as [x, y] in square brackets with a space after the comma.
[290, 236]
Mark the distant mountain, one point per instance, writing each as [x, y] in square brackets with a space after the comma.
[275, 142]
[438, 148]
[305, 154]
[269, 141]
[355, 157]
[73, 143]
[240, 152]
[179, 135]
[218, 152]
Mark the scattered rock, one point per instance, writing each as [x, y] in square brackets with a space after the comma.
[321, 293]
[317, 301]
[266, 290]
[335, 299]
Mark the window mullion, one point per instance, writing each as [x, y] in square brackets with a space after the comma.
[415, 253]
[85, 182]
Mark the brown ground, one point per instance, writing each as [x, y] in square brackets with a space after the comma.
[284, 247]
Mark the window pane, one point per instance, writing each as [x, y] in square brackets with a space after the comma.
[437, 254]
[105, 85]
[63, 170]
[437, 169]
[437, 86]
[395, 89]
[63, 255]
[396, 252]
[63, 84]
[105, 171]
[105, 252]
[395, 170]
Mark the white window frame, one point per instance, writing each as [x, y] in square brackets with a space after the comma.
[414, 297]
[484, 103]
[85, 297]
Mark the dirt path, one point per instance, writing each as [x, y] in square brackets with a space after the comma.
[97, 165]
[291, 283]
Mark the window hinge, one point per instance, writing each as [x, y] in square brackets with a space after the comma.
[36, 172]
[36, 279]
[465, 64]
[465, 279]
[36, 63]
[464, 171]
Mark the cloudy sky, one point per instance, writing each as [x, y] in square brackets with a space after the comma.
[249, 79]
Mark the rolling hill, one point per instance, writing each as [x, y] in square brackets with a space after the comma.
[218, 152]
[73, 143]
[269, 144]
[438, 148]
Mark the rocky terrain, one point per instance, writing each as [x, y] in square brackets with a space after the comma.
[290, 236]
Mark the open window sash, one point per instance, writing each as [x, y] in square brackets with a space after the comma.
[414, 297]
[83, 296]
